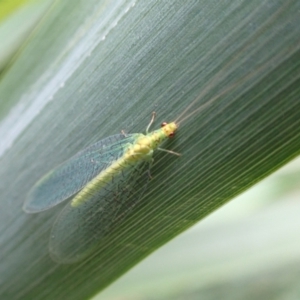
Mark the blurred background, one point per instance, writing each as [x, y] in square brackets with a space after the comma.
[248, 249]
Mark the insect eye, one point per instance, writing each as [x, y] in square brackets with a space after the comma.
[163, 124]
[171, 134]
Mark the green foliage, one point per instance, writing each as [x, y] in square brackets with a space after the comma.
[17, 20]
[94, 68]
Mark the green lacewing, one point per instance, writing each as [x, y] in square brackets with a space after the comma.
[107, 178]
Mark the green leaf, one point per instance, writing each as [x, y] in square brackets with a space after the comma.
[249, 249]
[94, 68]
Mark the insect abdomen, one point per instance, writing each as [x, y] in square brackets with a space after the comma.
[100, 181]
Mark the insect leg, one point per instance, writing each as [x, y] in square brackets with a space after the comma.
[124, 133]
[151, 122]
[169, 151]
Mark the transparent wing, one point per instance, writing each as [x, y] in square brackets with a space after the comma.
[71, 176]
[78, 230]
